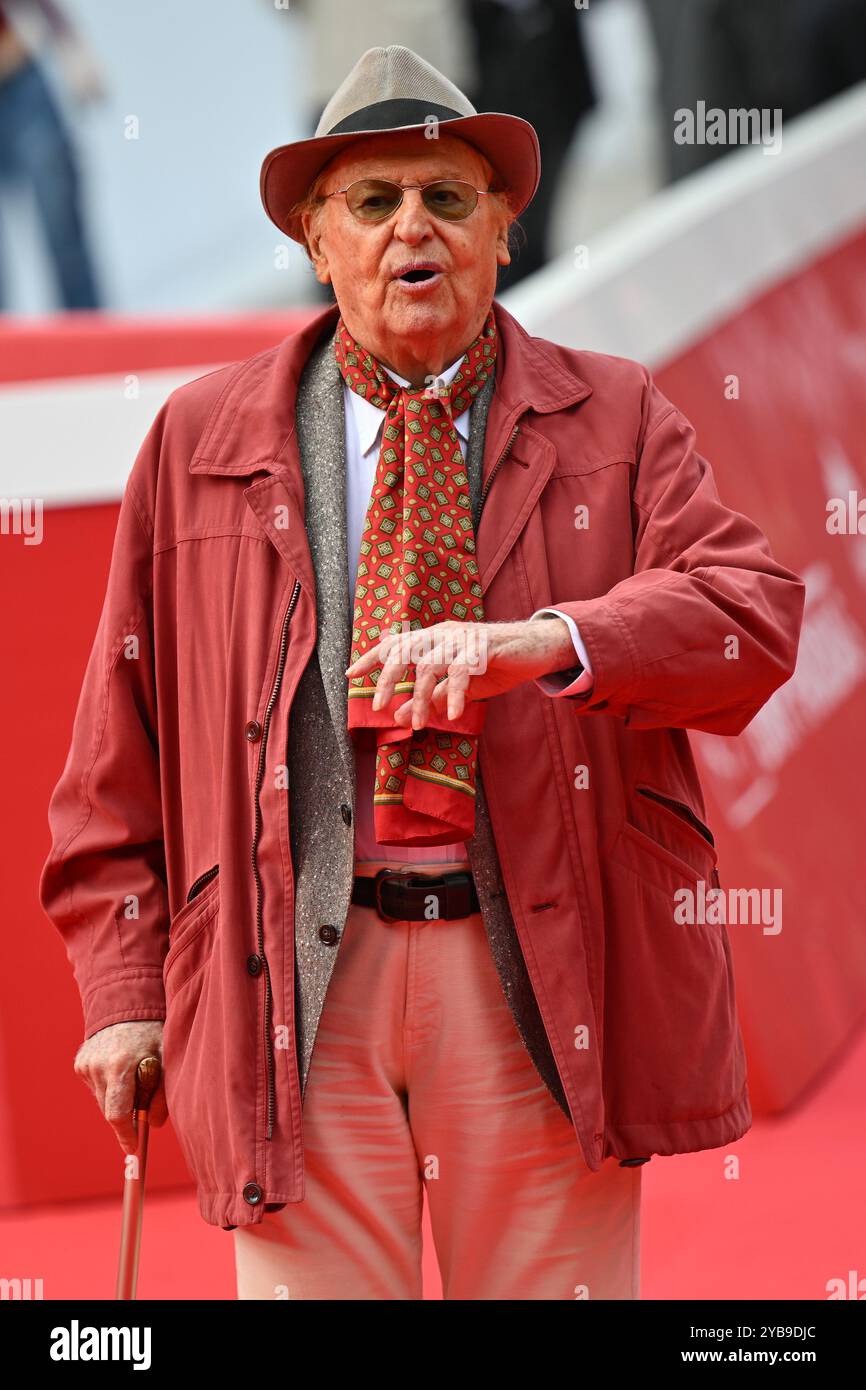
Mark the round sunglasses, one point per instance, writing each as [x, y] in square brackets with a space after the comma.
[373, 200]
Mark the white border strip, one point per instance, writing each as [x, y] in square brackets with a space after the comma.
[73, 442]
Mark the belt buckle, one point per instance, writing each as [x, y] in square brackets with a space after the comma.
[404, 875]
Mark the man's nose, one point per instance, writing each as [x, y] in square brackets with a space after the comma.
[412, 220]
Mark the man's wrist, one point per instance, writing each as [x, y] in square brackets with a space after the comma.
[559, 653]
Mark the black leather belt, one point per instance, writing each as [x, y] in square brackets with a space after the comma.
[400, 895]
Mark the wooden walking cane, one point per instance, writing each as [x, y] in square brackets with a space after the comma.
[146, 1081]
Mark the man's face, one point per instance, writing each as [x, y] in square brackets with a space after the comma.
[421, 327]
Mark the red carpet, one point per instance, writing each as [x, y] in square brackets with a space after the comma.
[792, 1220]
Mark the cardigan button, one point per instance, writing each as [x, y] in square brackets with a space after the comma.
[346, 813]
[253, 1194]
[328, 934]
[253, 731]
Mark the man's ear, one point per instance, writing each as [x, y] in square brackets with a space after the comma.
[313, 238]
[503, 254]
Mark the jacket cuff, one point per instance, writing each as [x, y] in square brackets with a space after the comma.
[613, 660]
[131, 996]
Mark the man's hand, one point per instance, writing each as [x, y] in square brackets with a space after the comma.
[107, 1061]
[455, 662]
[81, 69]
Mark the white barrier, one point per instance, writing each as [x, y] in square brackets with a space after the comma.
[678, 265]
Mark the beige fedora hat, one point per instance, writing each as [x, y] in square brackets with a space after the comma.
[394, 89]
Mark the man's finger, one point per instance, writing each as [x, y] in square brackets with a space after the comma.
[119, 1098]
[458, 684]
[365, 662]
[426, 677]
[440, 695]
[438, 700]
[391, 672]
[403, 714]
[95, 1080]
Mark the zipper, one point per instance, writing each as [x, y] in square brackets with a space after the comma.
[494, 470]
[260, 929]
[201, 881]
[681, 809]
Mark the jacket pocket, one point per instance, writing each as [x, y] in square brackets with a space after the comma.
[680, 809]
[191, 932]
[674, 830]
[193, 1041]
[673, 1054]
[659, 868]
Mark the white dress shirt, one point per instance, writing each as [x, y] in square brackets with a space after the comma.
[363, 423]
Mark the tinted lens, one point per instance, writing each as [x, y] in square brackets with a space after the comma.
[450, 199]
[372, 199]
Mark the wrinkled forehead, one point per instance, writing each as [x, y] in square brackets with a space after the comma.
[406, 156]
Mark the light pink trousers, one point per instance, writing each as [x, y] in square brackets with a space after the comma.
[419, 1081]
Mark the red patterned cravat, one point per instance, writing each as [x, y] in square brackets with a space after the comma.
[417, 567]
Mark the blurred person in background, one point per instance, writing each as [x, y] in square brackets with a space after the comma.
[834, 45]
[36, 150]
[532, 62]
[767, 55]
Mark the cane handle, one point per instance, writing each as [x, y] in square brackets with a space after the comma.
[146, 1081]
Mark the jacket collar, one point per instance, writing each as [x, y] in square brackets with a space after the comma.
[253, 421]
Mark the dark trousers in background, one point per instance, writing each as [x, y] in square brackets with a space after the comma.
[533, 64]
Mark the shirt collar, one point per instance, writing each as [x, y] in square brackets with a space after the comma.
[368, 417]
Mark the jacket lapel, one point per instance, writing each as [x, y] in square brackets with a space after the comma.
[531, 378]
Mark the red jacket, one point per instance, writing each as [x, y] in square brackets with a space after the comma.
[208, 623]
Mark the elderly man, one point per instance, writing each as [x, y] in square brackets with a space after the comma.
[408, 546]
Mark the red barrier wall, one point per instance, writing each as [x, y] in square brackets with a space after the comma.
[786, 797]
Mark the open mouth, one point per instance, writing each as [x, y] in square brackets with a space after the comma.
[414, 277]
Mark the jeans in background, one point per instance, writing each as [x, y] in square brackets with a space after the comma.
[36, 151]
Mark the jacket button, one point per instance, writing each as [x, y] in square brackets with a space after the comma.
[253, 731]
[346, 813]
[253, 1194]
[254, 965]
[328, 934]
